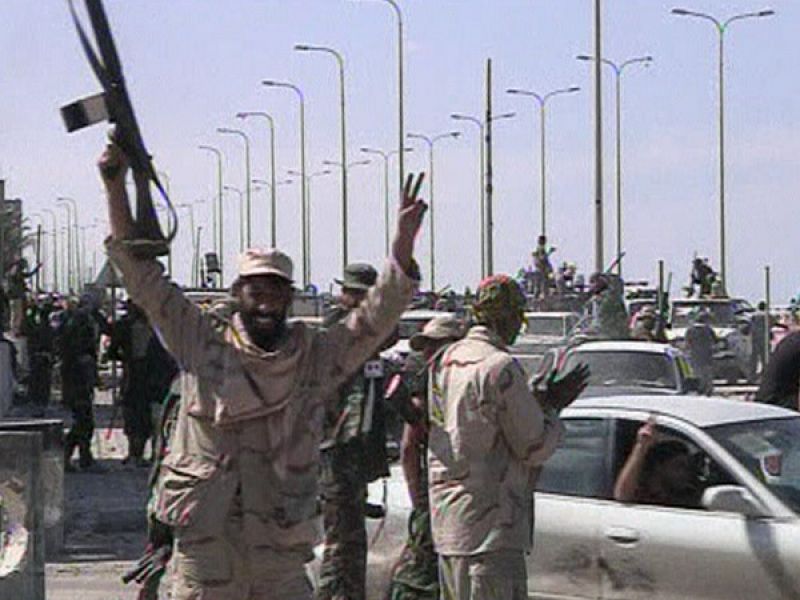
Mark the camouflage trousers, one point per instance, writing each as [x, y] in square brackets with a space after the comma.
[497, 575]
[415, 576]
[343, 571]
[224, 567]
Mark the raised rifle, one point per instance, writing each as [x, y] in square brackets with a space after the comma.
[113, 104]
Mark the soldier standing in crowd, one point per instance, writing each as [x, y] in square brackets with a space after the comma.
[489, 435]
[415, 576]
[353, 455]
[700, 341]
[77, 345]
[131, 338]
[39, 335]
[239, 485]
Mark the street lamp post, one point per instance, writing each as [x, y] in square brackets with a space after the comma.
[431, 141]
[310, 177]
[55, 247]
[722, 27]
[541, 100]
[246, 138]
[72, 239]
[482, 170]
[303, 182]
[386, 156]
[343, 132]
[217, 213]
[618, 69]
[273, 203]
[230, 188]
[400, 91]
[190, 208]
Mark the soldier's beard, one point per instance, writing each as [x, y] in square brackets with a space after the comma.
[264, 328]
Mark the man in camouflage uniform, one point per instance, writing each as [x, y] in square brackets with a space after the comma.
[353, 454]
[489, 435]
[239, 485]
[415, 576]
[77, 336]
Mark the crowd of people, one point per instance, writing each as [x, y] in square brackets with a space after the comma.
[276, 422]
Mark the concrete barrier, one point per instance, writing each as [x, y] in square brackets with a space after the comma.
[51, 476]
[6, 378]
[22, 552]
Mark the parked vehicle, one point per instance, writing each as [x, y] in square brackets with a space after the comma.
[730, 319]
[741, 542]
[628, 367]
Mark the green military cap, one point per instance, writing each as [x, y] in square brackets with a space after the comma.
[358, 276]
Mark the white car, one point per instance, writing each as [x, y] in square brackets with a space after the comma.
[631, 367]
[741, 543]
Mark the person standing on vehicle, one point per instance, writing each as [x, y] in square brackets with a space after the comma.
[238, 487]
[700, 341]
[489, 435]
[415, 576]
[353, 455]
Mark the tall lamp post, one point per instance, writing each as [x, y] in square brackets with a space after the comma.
[190, 209]
[310, 177]
[386, 156]
[541, 100]
[273, 204]
[431, 141]
[722, 27]
[55, 247]
[303, 179]
[400, 90]
[619, 69]
[217, 214]
[230, 188]
[246, 139]
[72, 240]
[482, 170]
[343, 132]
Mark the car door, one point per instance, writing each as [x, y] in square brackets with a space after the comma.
[564, 561]
[665, 553]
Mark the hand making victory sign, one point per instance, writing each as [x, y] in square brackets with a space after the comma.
[409, 221]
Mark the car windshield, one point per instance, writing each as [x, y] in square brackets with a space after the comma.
[550, 326]
[625, 368]
[408, 327]
[720, 313]
[770, 450]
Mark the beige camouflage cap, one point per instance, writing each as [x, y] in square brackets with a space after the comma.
[445, 327]
[260, 261]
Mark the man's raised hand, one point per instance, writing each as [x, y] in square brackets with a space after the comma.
[409, 220]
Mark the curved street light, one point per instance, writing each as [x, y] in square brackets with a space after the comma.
[542, 100]
[246, 139]
[386, 156]
[273, 204]
[230, 188]
[482, 171]
[217, 212]
[303, 179]
[431, 141]
[722, 27]
[618, 69]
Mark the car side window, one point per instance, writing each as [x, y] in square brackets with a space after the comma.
[580, 466]
[675, 475]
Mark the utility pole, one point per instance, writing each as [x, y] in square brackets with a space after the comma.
[489, 222]
[599, 261]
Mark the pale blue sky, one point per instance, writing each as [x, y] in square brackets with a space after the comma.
[192, 64]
